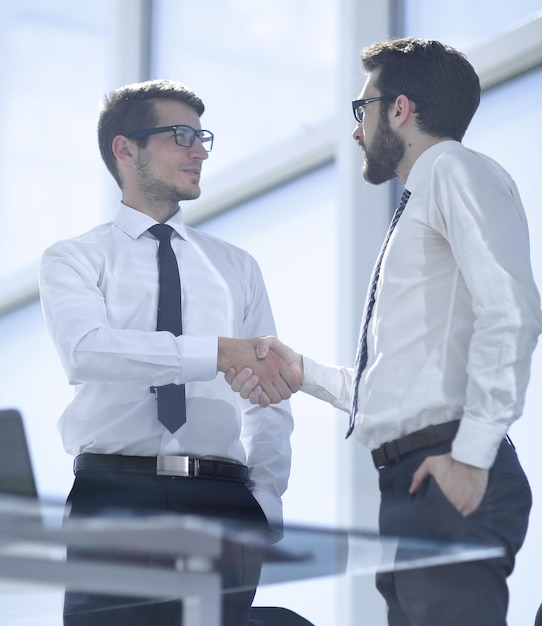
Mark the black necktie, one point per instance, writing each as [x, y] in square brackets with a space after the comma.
[361, 357]
[170, 398]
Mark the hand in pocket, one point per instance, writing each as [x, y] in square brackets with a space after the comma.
[464, 485]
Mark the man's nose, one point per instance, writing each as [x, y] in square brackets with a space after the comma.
[357, 133]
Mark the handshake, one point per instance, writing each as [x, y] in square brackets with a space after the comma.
[263, 370]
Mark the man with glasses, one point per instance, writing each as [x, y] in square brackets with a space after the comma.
[153, 425]
[451, 320]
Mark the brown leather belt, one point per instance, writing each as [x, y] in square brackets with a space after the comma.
[184, 466]
[393, 451]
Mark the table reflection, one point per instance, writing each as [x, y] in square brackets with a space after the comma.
[34, 572]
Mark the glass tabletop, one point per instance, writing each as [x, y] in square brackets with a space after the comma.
[34, 571]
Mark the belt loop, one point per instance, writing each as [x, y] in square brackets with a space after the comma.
[393, 447]
[195, 467]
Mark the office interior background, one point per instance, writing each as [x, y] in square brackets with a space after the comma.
[283, 181]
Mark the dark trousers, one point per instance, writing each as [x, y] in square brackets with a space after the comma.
[465, 594]
[103, 493]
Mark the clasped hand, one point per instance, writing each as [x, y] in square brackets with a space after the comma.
[265, 371]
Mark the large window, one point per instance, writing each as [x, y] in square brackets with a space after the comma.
[54, 63]
[465, 24]
[265, 70]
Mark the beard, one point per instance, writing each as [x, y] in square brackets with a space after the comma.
[384, 155]
[159, 191]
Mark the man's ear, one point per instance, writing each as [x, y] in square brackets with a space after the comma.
[124, 149]
[400, 110]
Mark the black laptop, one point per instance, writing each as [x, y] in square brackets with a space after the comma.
[16, 473]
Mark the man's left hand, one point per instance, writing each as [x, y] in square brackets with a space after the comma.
[464, 485]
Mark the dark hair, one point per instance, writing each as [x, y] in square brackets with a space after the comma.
[131, 108]
[438, 78]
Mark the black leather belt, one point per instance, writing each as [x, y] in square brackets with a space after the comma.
[162, 465]
[392, 451]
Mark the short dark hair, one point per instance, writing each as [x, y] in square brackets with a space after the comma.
[131, 108]
[438, 78]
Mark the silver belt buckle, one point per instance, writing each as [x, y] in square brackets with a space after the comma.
[176, 466]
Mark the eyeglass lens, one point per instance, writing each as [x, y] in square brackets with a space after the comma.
[185, 136]
[358, 113]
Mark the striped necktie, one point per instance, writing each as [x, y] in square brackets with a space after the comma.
[361, 357]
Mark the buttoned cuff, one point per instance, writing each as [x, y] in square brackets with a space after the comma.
[199, 358]
[330, 383]
[310, 373]
[477, 443]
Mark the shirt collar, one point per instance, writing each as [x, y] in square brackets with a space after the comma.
[419, 171]
[135, 223]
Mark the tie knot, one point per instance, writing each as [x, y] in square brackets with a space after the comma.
[161, 231]
[404, 198]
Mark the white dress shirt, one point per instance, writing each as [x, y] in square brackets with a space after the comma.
[99, 295]
[457, 313]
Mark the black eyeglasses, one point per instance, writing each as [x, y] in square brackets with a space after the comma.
[184, 135]
[357, 105]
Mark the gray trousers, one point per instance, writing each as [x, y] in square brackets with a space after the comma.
[464, 594]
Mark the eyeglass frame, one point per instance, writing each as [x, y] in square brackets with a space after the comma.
[357, 104]
[147, 132]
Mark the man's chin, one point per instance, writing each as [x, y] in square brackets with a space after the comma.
[375, 178]
[191, 194]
